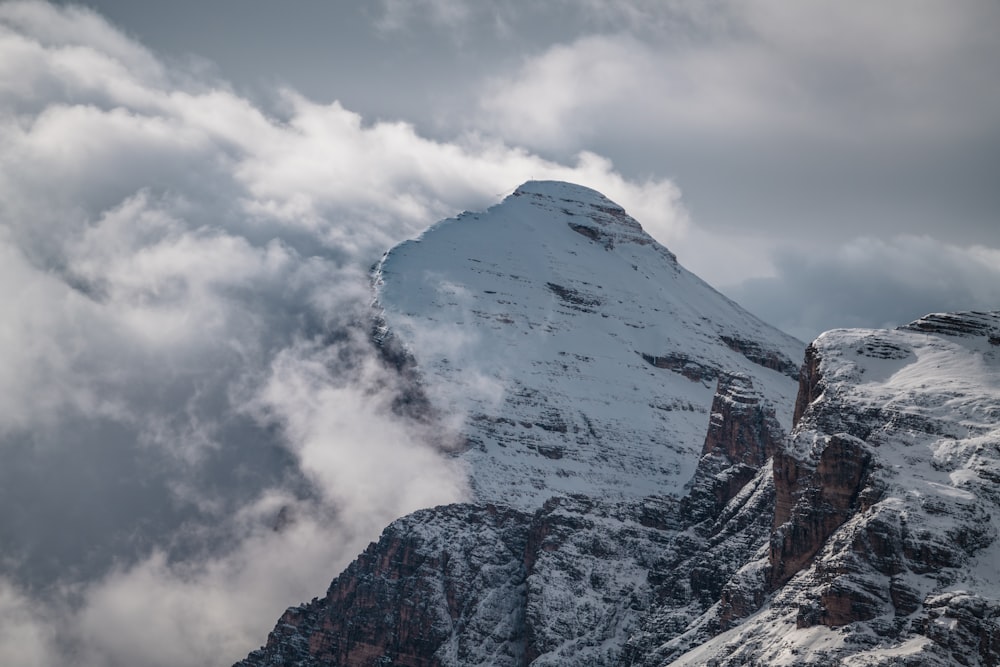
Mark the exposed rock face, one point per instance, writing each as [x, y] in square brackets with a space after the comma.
[813, 500]
[578, 581]
[482, 585]
[885, 545]
[764, 356]
[703, 584]
[743, 434]
[439, 587]
[809, 384]
[963, 627]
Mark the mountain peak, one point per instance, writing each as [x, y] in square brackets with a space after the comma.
[584, 210]
[582, 357]
[637, 495]
[562, 189]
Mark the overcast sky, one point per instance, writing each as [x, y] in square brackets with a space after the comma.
[808, 129]
[191, 194]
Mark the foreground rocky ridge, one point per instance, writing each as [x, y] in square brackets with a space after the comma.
[867, 537]
[885, 544]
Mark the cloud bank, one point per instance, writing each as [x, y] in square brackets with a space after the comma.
[813, 70]
[793, 128]
[196, 429]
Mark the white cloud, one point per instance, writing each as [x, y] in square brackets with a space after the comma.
[182, 277]
[621, 85]
[182, 274]
[740, 71]
[26, 635]
[346, 440]
[449, 14]
[158, 612]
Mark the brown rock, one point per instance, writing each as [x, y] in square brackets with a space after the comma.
[743, 434]
[810, 384]
[403, 598]
[812, 502]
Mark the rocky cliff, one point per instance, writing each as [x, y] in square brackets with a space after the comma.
[578, 581]
[884, 549]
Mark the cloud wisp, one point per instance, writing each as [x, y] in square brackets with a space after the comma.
[197, 431]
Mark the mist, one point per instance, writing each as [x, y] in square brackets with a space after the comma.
[197, 430]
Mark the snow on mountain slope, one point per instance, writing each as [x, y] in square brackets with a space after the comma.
[595, 380]
[582, 356]
[638, 498]
[572, 583]
[885, 549]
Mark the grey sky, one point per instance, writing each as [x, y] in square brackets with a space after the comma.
[785, 126]
[833, 118]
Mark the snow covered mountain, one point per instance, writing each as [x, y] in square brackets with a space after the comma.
[588, 368]
[640, 495]
[582, 357]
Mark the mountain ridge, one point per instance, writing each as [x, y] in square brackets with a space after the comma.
[865, 535]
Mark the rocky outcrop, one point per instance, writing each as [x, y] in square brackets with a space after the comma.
[702, 584]
[766, 357]
[682, 364]
[725, 522]
[810, 384]
[828, 475]
[743, 434]
[484, 585]
[579, 581]
[439, 587]
[814, 498]
[964, 627]
[968, 324]
[885, 541]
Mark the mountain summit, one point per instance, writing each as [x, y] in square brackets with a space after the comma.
[582, 356]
